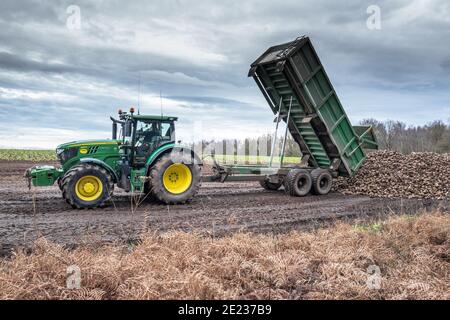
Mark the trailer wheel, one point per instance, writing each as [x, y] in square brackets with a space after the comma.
[322, 181]
[175, 179]
[87, 186]
[298, 182]
[266, 184]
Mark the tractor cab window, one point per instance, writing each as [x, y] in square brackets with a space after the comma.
[166, 130]
[149, 136]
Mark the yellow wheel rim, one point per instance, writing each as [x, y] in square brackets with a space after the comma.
[89, 188]
[177, 178]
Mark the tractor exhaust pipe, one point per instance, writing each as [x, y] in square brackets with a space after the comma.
[114, 127]
[114, 131]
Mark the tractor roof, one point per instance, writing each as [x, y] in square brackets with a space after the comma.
[154, 117]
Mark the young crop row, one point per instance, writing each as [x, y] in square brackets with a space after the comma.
[31, 155]
[49, 155]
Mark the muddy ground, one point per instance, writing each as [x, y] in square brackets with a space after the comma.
[217, 210]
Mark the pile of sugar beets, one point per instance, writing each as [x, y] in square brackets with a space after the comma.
[392, 174]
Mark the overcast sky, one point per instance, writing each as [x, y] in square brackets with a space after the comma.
[59, 82]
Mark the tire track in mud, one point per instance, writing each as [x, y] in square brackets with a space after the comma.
[217, 210]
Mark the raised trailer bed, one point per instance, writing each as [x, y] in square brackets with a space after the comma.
[298, 90]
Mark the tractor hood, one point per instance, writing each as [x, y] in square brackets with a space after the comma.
[87, 143]
[70, 153]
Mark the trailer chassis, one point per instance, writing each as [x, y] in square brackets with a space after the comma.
[298, 179]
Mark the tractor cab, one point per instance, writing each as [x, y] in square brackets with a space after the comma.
[149, 135]
[141, 135]
[142, 157]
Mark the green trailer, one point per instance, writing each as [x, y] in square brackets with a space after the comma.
[298, 90]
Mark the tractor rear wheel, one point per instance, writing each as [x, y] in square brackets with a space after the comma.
[175, 179]
[266, 184]
[322, 181]
[87, 186]
[298, 182]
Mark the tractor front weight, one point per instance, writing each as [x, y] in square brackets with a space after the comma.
[43, 176]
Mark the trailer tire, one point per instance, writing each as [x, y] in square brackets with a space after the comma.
[95, 195]
[266, 184]
[166, 167]
[298, 182]
[322, 181]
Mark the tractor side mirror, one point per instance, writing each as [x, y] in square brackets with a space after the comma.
[127, 129]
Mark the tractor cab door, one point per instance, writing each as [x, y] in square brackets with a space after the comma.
[149, 136]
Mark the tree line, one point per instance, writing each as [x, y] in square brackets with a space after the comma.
[391, 135]
[397, 136]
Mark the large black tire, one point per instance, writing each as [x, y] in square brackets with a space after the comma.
[147, 188]
[72, 176]
[322, 181]
[59, 183]
[298, 182]
[156, 184]
[266, 184]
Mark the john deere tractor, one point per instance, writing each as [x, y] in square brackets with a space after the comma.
[141, 157]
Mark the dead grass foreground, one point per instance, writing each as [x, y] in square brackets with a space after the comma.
[401, 258]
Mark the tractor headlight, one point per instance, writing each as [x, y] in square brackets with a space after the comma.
[66, 154]
[59, 152]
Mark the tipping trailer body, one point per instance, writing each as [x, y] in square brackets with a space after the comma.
[317, 121]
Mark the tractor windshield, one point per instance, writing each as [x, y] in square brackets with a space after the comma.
[152, 131]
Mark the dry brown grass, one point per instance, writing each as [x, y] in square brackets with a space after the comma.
[413, 254]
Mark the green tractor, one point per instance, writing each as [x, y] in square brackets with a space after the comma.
[142, 157]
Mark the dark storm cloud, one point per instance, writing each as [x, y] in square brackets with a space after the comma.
[29, 11]
[13, 62]
[197, 53]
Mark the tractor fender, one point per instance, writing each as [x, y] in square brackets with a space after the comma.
[167, 148]
[102, 164]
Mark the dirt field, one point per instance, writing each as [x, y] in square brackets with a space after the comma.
[217, 210]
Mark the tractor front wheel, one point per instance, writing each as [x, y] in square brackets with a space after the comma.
[59, 183]
[87, 186]
[175, 179]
